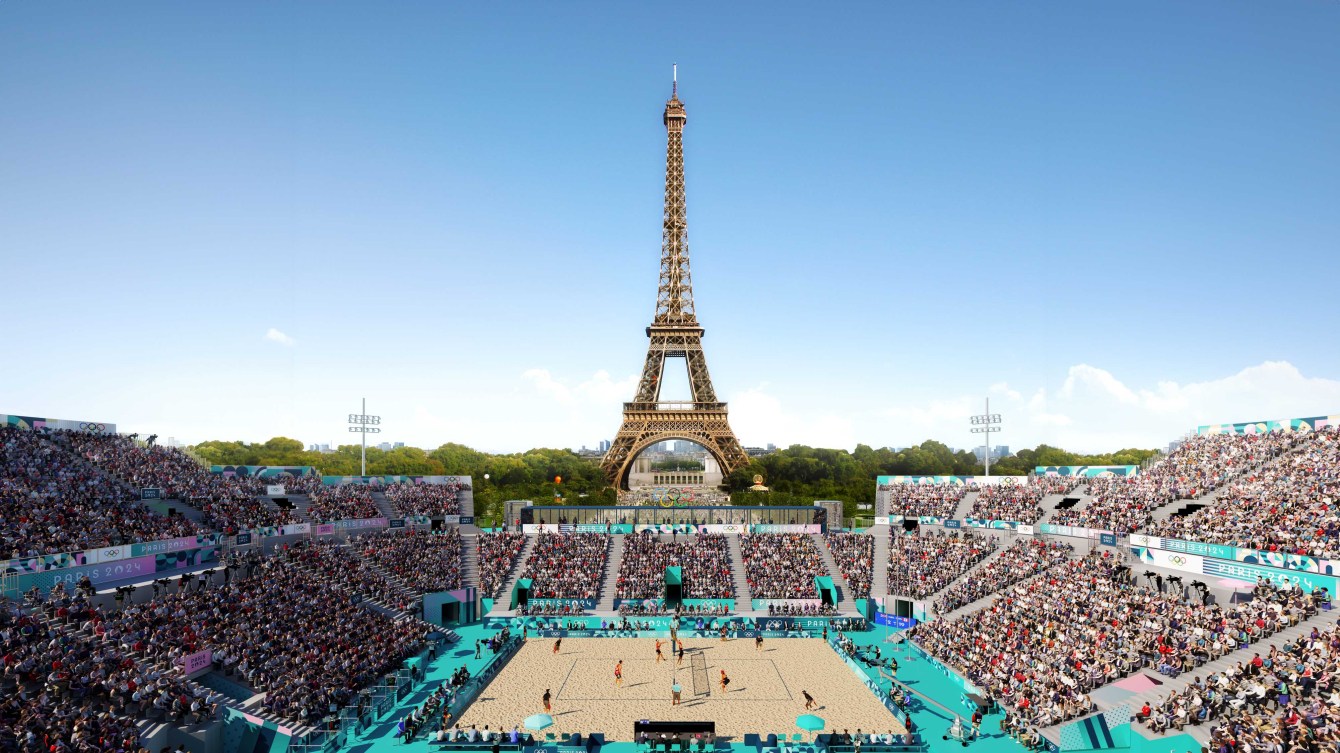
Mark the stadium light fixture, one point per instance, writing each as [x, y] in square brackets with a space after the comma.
[986, 423]
[362, 423]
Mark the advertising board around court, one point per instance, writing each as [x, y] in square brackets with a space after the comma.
[784, 528]
[1281, 560]
[1219, 568]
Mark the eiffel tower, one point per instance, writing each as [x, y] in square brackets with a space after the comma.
[674, 333]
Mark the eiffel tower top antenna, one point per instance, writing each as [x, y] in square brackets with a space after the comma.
[674, 290]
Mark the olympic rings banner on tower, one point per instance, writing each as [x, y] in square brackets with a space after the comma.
[33, 422]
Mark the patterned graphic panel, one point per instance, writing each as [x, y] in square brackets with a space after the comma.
[263, 471]
[1086, 471]
[1265, 427]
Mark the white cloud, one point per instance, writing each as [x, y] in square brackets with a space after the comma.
[600, 389]
[758, 418]
[1095, 411]
[275, 336]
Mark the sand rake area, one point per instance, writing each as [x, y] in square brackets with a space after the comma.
[764, 692]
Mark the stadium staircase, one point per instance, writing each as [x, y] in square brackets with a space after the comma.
[384, 507]
[504, 597]
[470, 560]
[611, 578]
[744, 596]
[301, 505]
[846, 601]
[879, 578]
[965, 505]
[1048, 505]
[1169, 685]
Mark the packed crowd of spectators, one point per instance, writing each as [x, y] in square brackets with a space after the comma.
[855, 557]
[65, 688]
[936, 500]
[339, 564]
[705, 559]
[567, 565]
[1021, 503]
[347, 502]
[51, 502]
[292, 629]
[1288, 698]
[1044, 644]
[228, 504]
[782, 565]
[1022, 560]
[1289, 505]
[1202, 463]
[433, 500]
[422, 561]
[497, 556]
[923, 563]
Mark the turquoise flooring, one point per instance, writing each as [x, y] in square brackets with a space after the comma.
[914, 670]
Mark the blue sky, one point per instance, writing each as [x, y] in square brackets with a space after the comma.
[1117, 219]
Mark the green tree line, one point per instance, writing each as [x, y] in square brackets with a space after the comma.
[797, 475]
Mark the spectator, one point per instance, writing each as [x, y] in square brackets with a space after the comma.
[855, 557]
[567, 566]
[498, 553]
[51, 502]
[782, 565]
[1287, 505]
[921, 564]
[432, 500]
[705, 559]
[1024, 559]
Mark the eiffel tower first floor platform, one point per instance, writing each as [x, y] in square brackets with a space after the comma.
[645, 424]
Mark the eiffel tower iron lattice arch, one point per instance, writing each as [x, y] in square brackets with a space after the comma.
[674, 333]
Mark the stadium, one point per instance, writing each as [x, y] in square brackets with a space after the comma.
[241, 609]
[152, 600]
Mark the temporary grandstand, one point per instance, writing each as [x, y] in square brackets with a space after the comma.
[156, 601]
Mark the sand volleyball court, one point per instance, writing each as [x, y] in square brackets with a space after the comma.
[764, 696]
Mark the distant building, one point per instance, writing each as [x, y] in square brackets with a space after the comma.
[997, 452]
[321, 448]
[604, 446]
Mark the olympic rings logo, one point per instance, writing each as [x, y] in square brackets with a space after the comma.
[86, 426]
[1177, 559]
[676, 497]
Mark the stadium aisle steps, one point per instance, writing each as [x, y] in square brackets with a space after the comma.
[301, 504]
[965, 505]
[611, 577]
[518, 567]
[744, 596]
[1049, 504]
[879, 583]
[846, 602]
[470, 560]
[384, 506]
